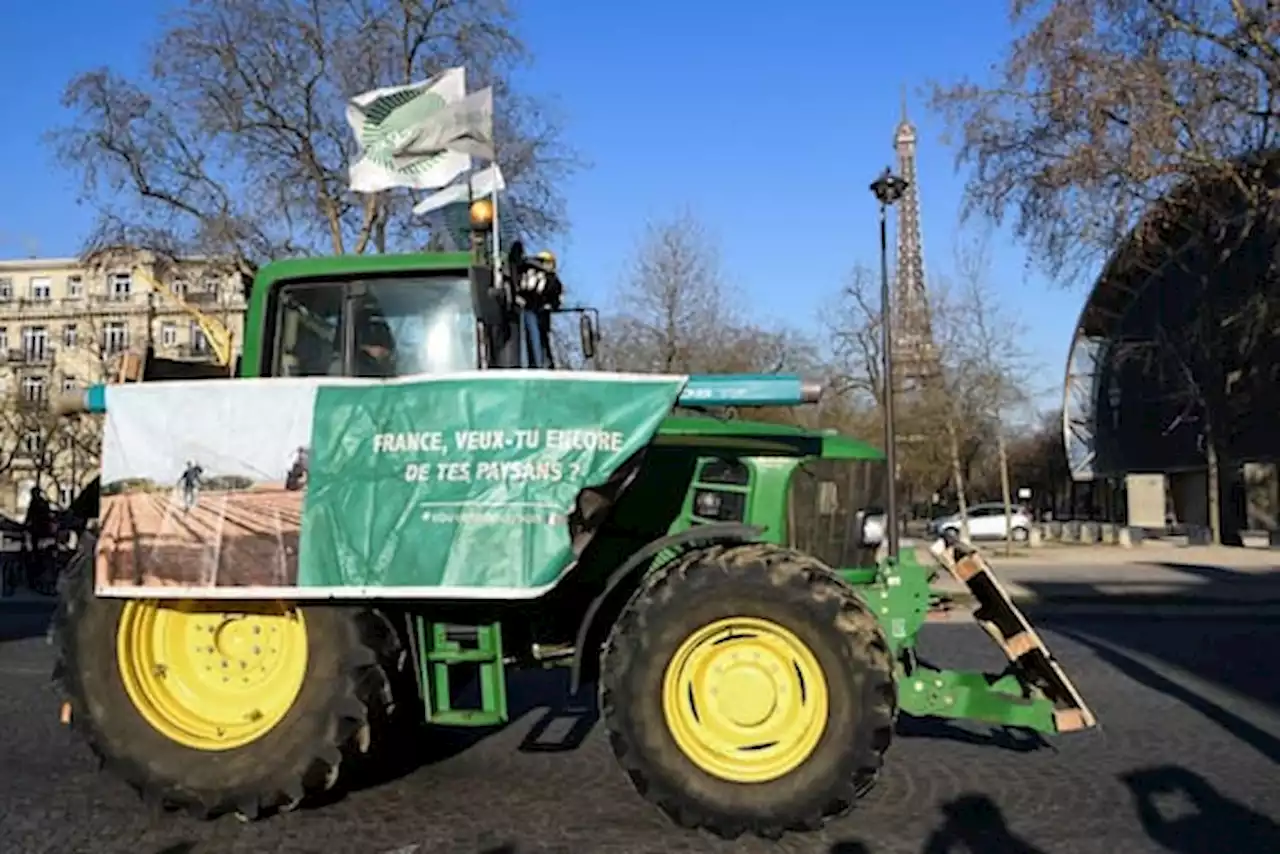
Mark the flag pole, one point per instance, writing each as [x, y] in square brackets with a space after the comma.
[497, 231]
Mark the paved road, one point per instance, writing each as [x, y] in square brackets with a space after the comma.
[1187, 761]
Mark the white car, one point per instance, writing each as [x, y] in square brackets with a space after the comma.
[987, 522]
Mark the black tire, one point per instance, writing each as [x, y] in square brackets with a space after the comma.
[797, 593]
[344, 694]
[1021, 535]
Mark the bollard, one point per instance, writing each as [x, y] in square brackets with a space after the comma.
[1107, 533]
[1036, 539]
[1088, 532]
[1054, 531]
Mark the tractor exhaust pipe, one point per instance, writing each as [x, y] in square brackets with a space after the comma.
[91, 399]
[749, 390]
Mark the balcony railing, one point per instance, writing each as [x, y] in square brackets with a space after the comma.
[30, 356]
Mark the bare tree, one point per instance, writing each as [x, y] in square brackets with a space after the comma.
[1103, 106]
[1147, 124]
[235, 145]
[989, 358]
[674, 314]
[937, 443]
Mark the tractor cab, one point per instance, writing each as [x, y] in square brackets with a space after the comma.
[391, 316]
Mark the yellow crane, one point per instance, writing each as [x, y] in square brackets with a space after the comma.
[215, 332]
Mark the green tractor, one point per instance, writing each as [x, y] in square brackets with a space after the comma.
[456, 508]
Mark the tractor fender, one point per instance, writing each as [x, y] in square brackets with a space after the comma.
[700, 535]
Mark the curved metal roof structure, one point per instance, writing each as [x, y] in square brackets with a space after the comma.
[1179, 336]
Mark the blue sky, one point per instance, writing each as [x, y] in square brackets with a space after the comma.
[768, 126]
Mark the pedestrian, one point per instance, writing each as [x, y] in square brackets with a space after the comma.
[190, 481]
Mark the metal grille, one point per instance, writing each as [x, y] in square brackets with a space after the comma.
[824, 498]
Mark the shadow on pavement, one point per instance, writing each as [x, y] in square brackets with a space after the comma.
[1231, 652]
[1183, 813]
[562, 727]
[178, 848]
[971, 823]
[1013, 739]
[1210, 650]
[26, 619]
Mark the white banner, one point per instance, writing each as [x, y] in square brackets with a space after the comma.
[465, 126]
[383, 120]
[485, 182]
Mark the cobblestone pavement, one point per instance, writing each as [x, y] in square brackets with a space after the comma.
[1187, 760]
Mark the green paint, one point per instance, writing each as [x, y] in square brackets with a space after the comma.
[926, 692]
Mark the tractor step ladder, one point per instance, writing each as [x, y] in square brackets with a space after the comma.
[1009, 628]
[453, 658]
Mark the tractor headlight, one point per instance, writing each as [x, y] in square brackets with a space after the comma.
[718, 505]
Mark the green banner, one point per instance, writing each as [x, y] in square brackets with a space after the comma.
[458, 486]
[463, 483]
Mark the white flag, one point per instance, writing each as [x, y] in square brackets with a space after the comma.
[485, 182]
[464, 126]
[384, 119]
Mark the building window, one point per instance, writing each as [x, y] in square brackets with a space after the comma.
[168, 335]
[68, 384]
[75, 287]
[115, 336]
[31, 442]
[69, 335]
[41, 288]
[6, 288]
[4, 338]
[33, 389]
[121, 285]
[35, 343]
[199, 343]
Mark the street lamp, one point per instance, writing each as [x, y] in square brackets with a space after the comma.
[888, 189]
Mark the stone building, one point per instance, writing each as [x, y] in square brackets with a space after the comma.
[64, 323]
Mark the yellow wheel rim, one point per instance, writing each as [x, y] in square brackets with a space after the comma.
[209, 678]
[745, 700]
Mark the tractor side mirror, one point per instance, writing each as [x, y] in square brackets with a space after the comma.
[587, 335]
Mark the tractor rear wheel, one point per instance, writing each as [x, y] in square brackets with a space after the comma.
[220, 707]
[747, 689]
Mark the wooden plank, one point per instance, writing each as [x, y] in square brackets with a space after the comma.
[1009, 628]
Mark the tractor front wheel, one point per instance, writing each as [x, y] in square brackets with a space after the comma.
[747, 689]
[219, 707]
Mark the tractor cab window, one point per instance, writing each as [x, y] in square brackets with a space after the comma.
[397, 327]
[308, 329]
[414, 326]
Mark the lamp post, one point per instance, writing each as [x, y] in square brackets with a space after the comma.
[888, 189]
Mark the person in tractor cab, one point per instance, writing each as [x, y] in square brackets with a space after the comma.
[375, 353]
[375, 349]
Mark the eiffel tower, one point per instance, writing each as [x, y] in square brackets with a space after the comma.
[914, 352]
